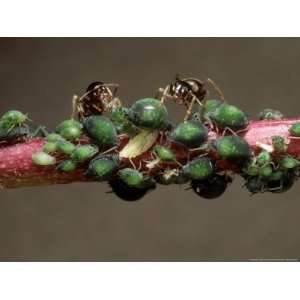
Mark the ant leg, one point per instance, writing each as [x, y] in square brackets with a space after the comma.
[217, 89]
[165, 93]
[189, 110]
[132, 163]
[109, 150]
[75, 106]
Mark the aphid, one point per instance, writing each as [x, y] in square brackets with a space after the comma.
[125, 192]
[15, 135]
[43, 159]
[53, 137]
[187, 91]
[295, 130]
[11, 119]
[265, 172]
[65, 147]
[228, 116]
[270, 114]
[190, 133]
[83, 152]
[131, 177]
[50, 147]
[211, 188]
[99, 98]
[67, 166]
[254, 184]
[198, 169]
[101, 130]
[69, 129]
[148, 113]
[102, 168]
[263, 158]
[164, 153]
[119, 117]
[251, 169]
[281, 185]
[233, 148]
[278, 143]
[288, 162]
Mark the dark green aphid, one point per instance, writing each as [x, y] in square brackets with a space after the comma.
[270, 114]
[254, 184]
[263, 158]
[84, 152]
[43, 159]
[211, 188]
[233, 148]
[295, 130]
[148, 113]
[131, 177]
[276, 175]
[288, 162]
[69, 129]
[198, 169]
[229, 116]
[53, 137]
[15, 134]
[190, 133]
[164, 153]
[101, 130]
[13, 118]
[278, 143]
[125, 192]
[102, 168]
[65, 147]
[209, 107]
[67, 166]
[282, 185]
[50, 147]
[119, 117]
[265, 172]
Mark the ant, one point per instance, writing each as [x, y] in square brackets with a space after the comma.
[98, 98]
[187, 91]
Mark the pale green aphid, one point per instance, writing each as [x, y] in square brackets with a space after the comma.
[43, 159]
[50, 147]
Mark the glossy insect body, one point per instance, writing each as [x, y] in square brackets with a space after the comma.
[99, 98]
[187, 91]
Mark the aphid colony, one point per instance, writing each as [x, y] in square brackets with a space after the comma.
[135, 148]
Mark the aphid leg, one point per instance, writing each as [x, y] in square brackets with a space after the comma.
[40, 131]
[109, 150]
[228, 129]
[132, 163]
[189, 110]
[217, 89]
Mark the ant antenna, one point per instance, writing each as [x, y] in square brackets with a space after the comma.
[217, 89]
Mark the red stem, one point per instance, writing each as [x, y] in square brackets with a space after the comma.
[18, 170]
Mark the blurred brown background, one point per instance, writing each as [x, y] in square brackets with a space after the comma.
[80, 222]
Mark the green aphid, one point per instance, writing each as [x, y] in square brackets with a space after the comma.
[50, 147]
[164, 153]
[251, 169]
[43, 159]
[209, 107]
[131, 177]
[281, 185]
[67, 166]
[288, 162]
[278, 143]
[263, 158]
[254, 184]
[265, 172]
[15, 134]
[101, 130]
[192, 134]
[270, 114]
[148, 113]
[119, 117]
[54, 137]
[13, 118]
[295, 130]
[69, 129]
[233, 148]
[229, 116]
[84, 152]
[102, 168]
[199, 169]
[65, 147]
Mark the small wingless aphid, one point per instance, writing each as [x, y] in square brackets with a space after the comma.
[187, 91]
[99, 98]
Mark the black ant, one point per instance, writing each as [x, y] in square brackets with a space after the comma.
[98, 98]
[187, 91]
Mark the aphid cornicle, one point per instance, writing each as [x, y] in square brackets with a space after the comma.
[99, 98]
[187, 91]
